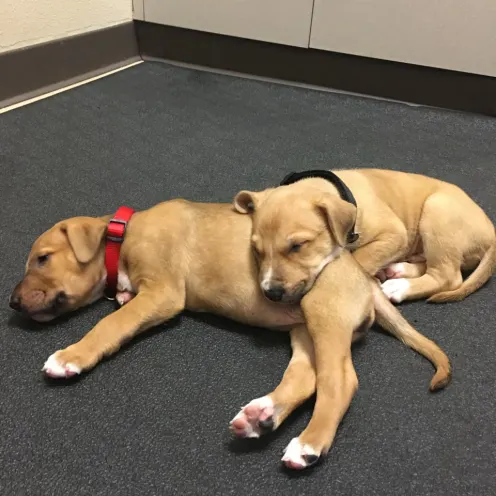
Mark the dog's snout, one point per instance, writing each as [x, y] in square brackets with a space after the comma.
[274, 293]
[23, 300]
[15, 302]
[37, 296]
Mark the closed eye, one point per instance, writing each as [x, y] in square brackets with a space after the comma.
[42, 259]
[296, 247]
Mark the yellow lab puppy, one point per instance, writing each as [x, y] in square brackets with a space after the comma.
[183, 255]
[431, 224]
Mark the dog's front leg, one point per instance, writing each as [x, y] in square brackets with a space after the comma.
[147, 309]
[337, 383]
[383, 250]
[265, 414]
[339, 304]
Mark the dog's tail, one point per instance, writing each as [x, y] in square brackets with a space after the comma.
[473, 282]
[390, 319]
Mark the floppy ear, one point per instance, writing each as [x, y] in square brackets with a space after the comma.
[85, 237]
[340, 216]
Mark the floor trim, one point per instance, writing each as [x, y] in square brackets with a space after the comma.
[35, 70]
[67, 88]
[295, 84]
[379, 78]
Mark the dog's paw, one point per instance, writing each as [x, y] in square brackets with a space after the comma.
[124, 297]
[395, 270]
[254, 419]
[396, 289]
[391, 271]
[298, 456]
[56, 368]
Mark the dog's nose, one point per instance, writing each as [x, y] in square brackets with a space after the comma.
[15, 302]
[275, 293]
[61, 298]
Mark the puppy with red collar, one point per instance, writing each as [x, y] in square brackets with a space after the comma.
[182, 255]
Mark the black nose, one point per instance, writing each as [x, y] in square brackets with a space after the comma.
[275, 293]
[15, 302]
[61, 298]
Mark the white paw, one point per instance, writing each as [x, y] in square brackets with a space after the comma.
[254, 419]
[124, 297]
[395, 270]
[298, 456]
[396, 289]
[55, 369]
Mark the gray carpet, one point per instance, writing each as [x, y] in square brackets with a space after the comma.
[153, 420]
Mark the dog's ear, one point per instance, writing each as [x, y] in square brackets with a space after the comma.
[247, 202]
[340, 216]
[85, 237]
[244, 202]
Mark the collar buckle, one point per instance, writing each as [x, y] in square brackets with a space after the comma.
[116, 230]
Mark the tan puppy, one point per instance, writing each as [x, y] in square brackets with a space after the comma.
[433, 225]
[181, 255]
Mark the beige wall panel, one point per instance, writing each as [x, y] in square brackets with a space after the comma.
[279, 21]
[449, 34]
[139, 10]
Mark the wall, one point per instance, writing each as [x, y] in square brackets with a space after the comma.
[29, 22]
[277, 21]
[452, 34]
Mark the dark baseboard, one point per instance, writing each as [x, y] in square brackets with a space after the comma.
[379, 78]
[30, 71]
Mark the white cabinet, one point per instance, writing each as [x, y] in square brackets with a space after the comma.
[138, 10]
[279, 21]
[451, 34]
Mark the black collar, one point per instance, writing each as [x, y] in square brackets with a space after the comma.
[343, 190]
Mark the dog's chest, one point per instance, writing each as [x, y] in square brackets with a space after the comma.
[124, 283]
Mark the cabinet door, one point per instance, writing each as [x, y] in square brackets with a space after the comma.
[449, 34]
[138, 10]
[279, 21]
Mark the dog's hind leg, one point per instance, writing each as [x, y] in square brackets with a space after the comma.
[443, 229]
[265, 414]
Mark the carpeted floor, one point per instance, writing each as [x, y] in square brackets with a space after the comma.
[153, 420]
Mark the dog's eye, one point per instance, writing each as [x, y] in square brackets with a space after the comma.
[42, 259]
[295, 247]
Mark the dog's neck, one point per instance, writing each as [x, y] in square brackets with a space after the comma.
[327, 260]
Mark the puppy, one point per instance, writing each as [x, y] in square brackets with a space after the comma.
[182, 255]
[433, 225]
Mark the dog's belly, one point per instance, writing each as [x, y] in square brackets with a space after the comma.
[252, 309]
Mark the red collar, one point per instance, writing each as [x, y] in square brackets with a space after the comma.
[116, 230]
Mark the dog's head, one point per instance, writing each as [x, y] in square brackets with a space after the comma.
[64, 270]
[297, 230]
